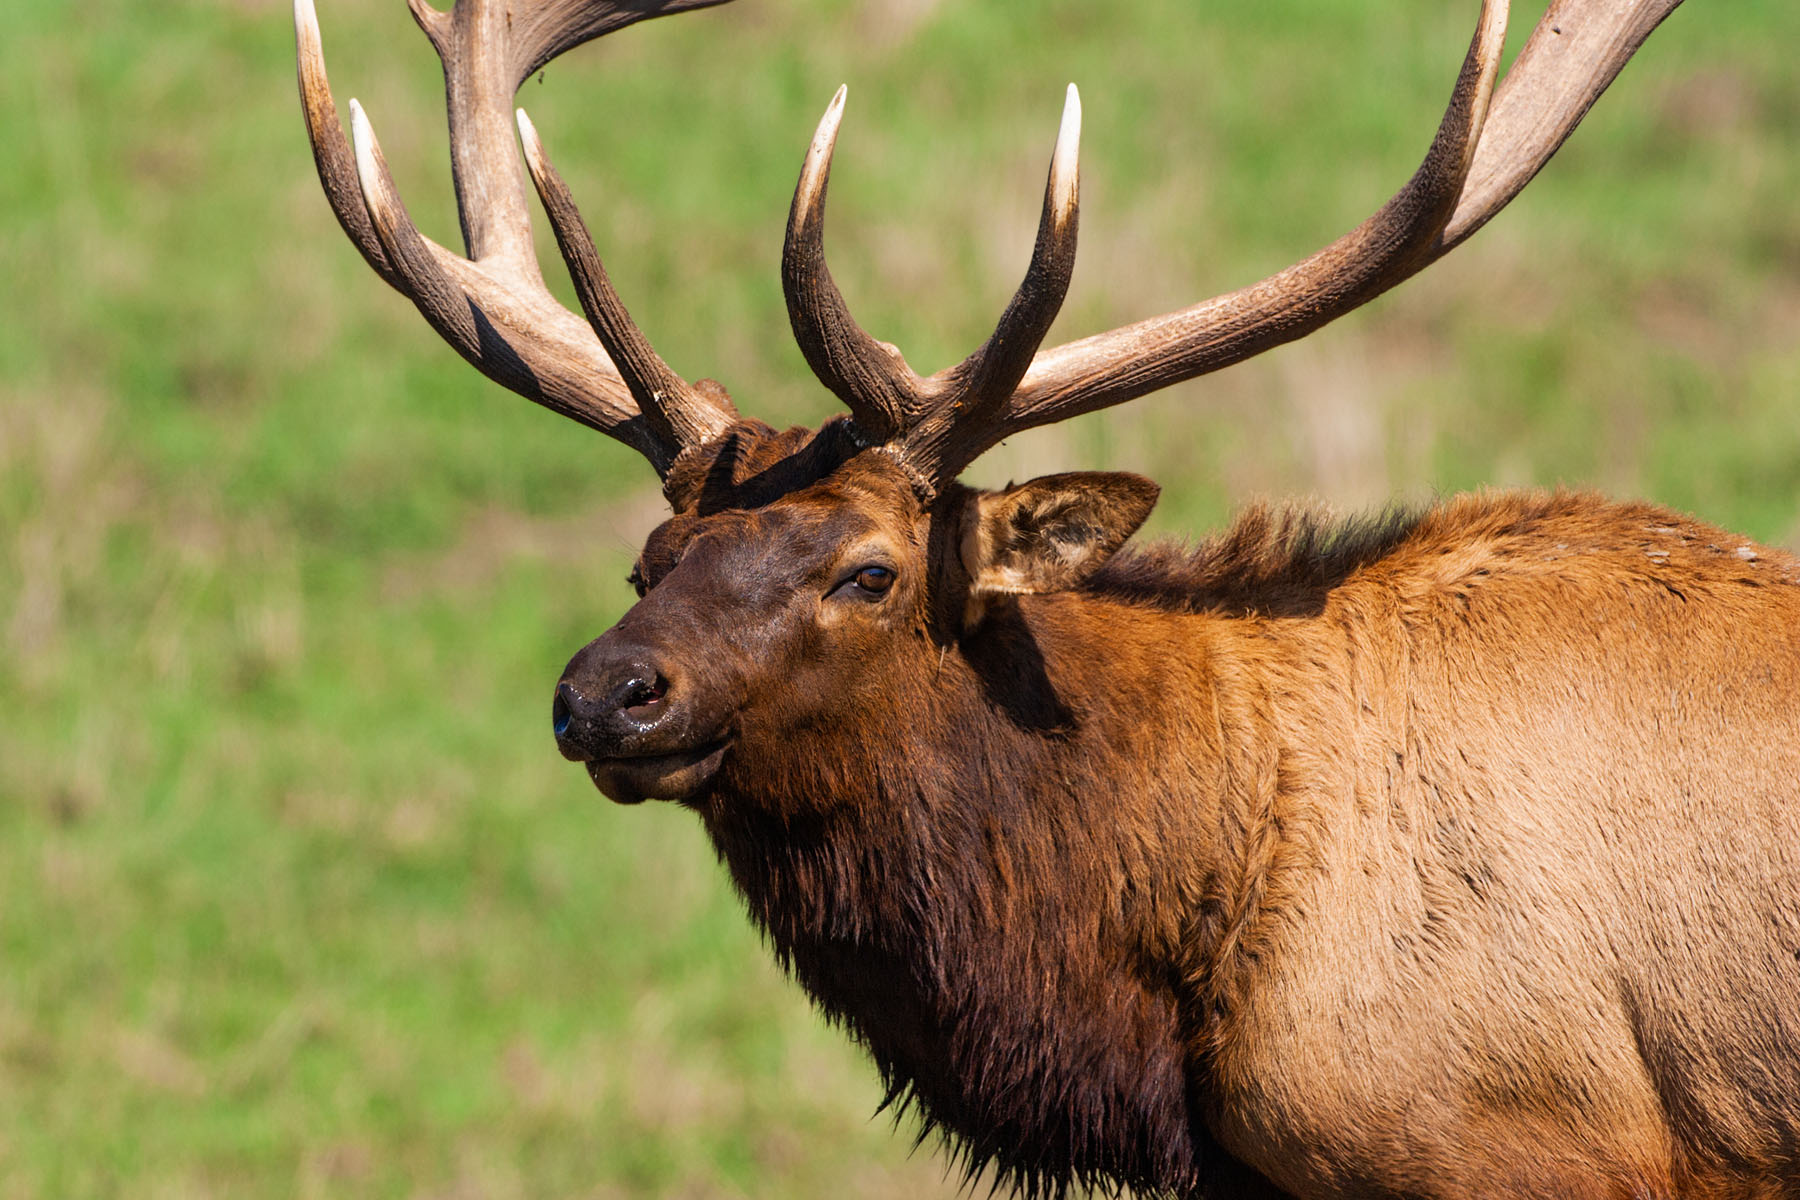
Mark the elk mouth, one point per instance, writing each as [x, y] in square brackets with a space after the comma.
[676, 776]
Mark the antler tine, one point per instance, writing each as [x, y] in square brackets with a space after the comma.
[991, 373]
[966, 396]
[489, 48]
[493, 306]
[871, 377]
[677, 412]
[417, 273]
[331, 154]
[1574, 54]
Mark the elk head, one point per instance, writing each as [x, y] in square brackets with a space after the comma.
[802, 572]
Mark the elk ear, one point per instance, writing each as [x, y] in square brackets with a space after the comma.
[1049, 534]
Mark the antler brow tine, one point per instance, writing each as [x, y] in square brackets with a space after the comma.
[331, 155]
[421, 279]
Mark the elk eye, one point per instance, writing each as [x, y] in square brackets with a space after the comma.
[874, 580]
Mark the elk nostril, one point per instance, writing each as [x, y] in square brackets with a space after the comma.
[645, 698]
[561, 713]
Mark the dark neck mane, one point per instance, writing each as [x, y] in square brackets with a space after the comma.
[1272, 561]
[1285, 561]
[974, 934]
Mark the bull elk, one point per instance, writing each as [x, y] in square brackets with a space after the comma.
[1448, 854]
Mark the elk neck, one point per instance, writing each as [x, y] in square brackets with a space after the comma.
[1011, 872]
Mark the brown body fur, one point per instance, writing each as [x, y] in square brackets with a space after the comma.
[1457, 855]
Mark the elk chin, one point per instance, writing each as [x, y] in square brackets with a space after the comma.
[677, 776]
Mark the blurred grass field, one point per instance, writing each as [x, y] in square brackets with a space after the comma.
[296, 898]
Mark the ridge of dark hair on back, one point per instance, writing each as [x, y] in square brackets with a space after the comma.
[1273, 560]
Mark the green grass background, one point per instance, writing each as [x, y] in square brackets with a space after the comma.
[296, 898]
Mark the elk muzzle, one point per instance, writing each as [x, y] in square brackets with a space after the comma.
[634, 725]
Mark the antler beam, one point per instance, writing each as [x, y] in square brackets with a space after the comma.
[1478, 161]
[1577, 49]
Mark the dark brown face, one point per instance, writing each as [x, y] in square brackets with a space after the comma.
[753, 625]
[800, 580]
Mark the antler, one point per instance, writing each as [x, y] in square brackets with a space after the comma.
[872, 377]
[1478, 162]
[492, 306]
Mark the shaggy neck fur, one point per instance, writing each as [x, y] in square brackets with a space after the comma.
[1016, 873]
[987, 930]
